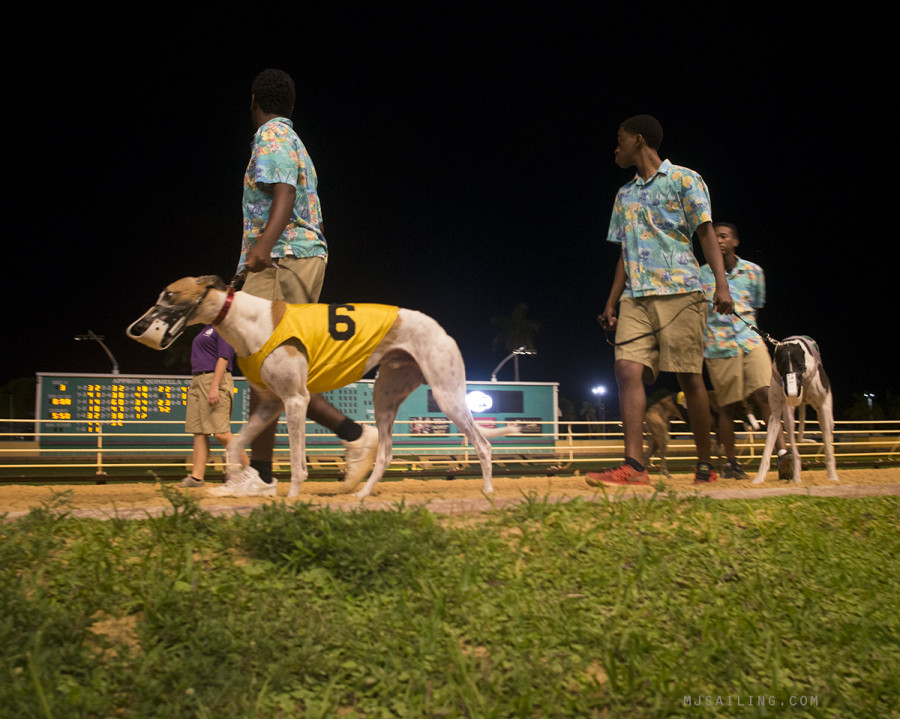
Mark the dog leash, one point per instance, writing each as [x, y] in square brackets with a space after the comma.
[651, 332]
[765, 336]
[238, 279]
[241, 276]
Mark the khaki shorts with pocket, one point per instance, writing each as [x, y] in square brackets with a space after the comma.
[736, 378]
[200, 417]
[662, 332]
[296, 280]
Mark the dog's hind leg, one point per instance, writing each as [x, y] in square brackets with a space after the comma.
[453, 402]
[448, 385]
[826, 424]
[658, 446]
[442, 366]
[395, 380]
[801, 423]
[451, 398]
[460, 415]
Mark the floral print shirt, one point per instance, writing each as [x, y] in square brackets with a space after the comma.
[727, 335]
[654, 222]
[278, 155]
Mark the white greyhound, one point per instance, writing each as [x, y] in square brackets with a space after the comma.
[409, 348]
[798, 379]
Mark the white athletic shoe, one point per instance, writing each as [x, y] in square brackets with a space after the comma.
[360, 457]
[245, 484]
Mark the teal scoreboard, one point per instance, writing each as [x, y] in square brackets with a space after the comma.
[148, 411]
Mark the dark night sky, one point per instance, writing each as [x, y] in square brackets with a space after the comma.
[465, 165]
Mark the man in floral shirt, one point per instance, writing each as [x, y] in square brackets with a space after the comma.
[656, 304]
[285, 253]
[737, 359]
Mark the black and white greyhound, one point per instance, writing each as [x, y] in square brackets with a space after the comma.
[798, 379]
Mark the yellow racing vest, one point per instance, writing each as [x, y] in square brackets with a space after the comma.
[339, 339]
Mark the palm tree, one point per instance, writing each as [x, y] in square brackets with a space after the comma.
[516, 330]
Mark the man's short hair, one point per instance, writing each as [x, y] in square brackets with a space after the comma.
[274, 92]
[647, 126]
[730, 226]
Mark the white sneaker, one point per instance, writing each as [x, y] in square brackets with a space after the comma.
[360, 457]
[245, 484]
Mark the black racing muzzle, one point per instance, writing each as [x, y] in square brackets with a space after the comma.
[160, 326]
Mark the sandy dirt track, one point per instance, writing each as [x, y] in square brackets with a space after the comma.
[458, 496]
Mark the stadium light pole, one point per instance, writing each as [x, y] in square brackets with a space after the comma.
[600, 392]
[869, 397]
[99, 340]
[517, 351]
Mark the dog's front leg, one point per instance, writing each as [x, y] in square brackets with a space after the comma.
[264, 413]
[662, 451]
[789, 425]
[765, 459]
[773, 422]
[651, 446]
[295, 411]
[664, 467]
[285, 372]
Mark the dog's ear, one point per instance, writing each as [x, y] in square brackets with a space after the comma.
[217, 283]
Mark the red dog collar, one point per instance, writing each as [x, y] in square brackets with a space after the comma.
[229, 298]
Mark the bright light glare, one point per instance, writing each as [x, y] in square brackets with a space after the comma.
[479, 401]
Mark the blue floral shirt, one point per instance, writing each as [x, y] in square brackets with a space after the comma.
[278, 155]
[726, 335]
[654, 222]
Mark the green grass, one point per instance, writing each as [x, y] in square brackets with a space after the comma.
[636, 608]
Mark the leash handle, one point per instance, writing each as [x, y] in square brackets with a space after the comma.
[237, 279]
[651, 332]
[241, 276]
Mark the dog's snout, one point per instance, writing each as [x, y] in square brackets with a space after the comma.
[139, 327]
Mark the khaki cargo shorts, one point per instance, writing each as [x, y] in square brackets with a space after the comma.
[296, 280]
[662, 332]
[200, 417]
[736, 378]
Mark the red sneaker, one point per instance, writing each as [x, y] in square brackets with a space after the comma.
[626, 474]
